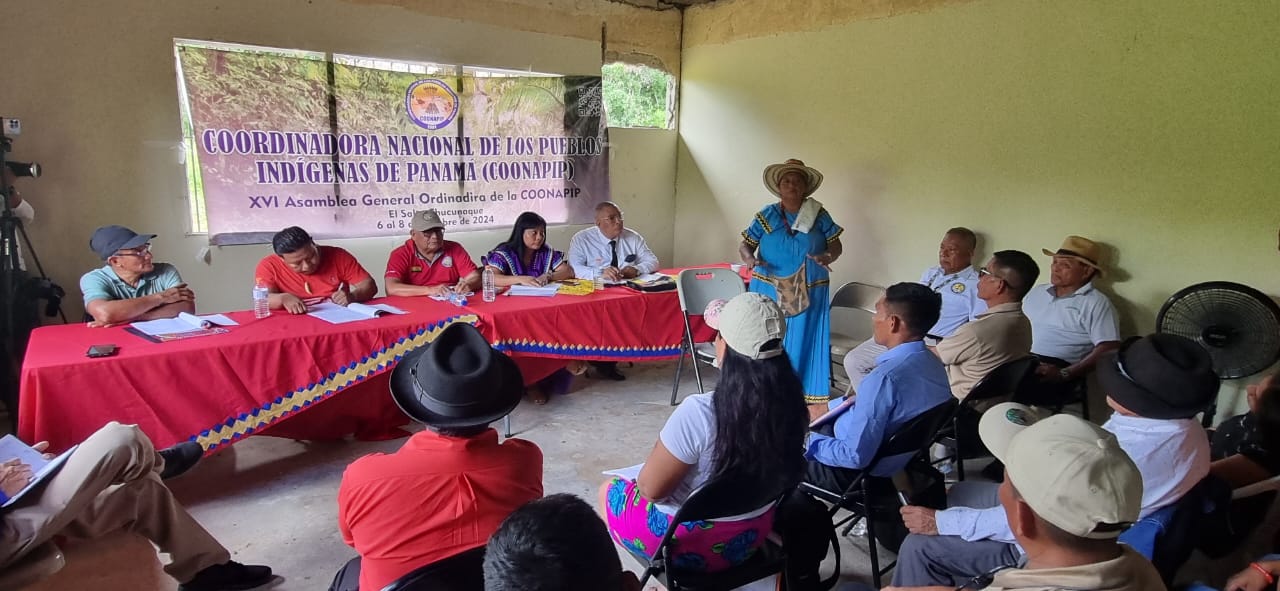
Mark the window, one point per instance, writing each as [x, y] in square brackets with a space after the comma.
[637, 96]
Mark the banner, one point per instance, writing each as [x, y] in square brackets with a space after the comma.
[347, 151]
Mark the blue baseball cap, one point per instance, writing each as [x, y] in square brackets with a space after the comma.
[107, 240]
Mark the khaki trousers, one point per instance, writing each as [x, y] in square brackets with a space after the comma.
[110, 483]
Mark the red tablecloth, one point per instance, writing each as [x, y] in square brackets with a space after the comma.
[219, 389]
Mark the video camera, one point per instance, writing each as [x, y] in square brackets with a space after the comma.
[9, 129]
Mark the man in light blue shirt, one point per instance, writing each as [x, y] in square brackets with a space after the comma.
[908, 380]
[131, 286]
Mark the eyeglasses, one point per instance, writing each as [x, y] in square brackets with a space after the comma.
[613, 218]
[984, 272]
[141, 251]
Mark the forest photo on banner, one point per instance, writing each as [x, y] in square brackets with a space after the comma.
[347, 151]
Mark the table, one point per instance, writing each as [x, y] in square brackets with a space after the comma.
[219, 389]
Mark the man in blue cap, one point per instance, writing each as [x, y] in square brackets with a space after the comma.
[131, 286]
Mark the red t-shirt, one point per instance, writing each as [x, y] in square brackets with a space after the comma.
[452, 263]
[434, 498]
[337, 267]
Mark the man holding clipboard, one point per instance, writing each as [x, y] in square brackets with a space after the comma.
[112, 482]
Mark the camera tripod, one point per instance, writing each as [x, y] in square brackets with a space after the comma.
[18, 289]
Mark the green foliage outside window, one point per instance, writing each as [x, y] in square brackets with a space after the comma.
[636, 96]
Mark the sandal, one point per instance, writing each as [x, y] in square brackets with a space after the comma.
[577, 367]
[537, 396]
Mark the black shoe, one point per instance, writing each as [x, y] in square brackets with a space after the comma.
[608, 372]
[180, 458]
[229, 576]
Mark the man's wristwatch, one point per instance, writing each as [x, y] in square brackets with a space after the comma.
[1065, 374]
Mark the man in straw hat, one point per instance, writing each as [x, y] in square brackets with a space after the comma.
[1072, 323]
[1156, 385]
[1069, 491]
[450, 486]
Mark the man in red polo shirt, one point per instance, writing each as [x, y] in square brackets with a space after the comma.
[302, 273]
[428, 264]
[450, 486]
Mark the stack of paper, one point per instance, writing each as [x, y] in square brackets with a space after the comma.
[335, 314]
[11, 448]
[181, 327]
[527, 290]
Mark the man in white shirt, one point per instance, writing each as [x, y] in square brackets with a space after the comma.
[955, 279]
[1073, 324]
[1156, 385]
[614, 251]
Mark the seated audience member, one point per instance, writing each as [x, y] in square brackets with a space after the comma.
[1072, 323]
[751, 429]
[112, 483]
[449, 486]
[1258, 576]
[614, 251]
[1069, 491]
[1000, 334]
[907, 381]
[130, 286]
[1246, 448]
[1156, 385]
[525, 258]
[954, 279]
[302, 273]
[556, 543]
[427, 264]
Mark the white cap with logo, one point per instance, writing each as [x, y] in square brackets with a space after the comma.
[748, 323]
[1069, 471]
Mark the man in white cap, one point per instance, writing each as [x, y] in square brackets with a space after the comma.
[1068, 493]
[1156, 385]
[427, 264]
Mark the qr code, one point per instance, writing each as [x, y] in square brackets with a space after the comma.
[589, 101]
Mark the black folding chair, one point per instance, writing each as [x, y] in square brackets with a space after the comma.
[914, 437]
[718, 499]
[460, 572]
[1006, 380]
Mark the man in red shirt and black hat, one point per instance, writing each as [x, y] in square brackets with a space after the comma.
[450, 486]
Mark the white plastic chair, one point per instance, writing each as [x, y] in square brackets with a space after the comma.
[697, 288]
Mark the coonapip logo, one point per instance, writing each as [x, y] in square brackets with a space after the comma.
[430, 103]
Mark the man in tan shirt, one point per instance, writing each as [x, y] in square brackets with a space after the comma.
[999, 335]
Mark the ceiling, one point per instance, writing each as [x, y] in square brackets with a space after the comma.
[664, 3]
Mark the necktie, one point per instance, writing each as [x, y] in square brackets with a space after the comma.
[613, 248]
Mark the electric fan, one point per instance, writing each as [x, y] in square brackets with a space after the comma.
[1237, 324]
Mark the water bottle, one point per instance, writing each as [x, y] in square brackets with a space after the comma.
[490, 291]
[261, 306]
[599, 280]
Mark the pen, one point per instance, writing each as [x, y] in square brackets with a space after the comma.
[903, 498]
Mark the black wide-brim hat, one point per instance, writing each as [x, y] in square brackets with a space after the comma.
[457, 380]
[1161, 376]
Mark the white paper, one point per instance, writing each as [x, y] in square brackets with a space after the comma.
[335, 314]
[833, 413]
[628, 473]
[11, 447]
[545, 291]
[184, 322]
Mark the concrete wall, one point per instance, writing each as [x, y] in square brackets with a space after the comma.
[95, 87]
[1150, 127]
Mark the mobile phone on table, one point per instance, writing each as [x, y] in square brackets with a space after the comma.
[101, 351]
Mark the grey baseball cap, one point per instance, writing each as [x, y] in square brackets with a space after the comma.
[107, 240]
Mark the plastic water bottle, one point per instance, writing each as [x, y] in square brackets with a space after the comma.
[490, 290]
[599, 280]
[261, 306]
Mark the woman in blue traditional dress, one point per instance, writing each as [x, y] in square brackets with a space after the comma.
[790, 246]
[526, 259]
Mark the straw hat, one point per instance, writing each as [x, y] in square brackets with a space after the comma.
[774, 172]
[1080, 249]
